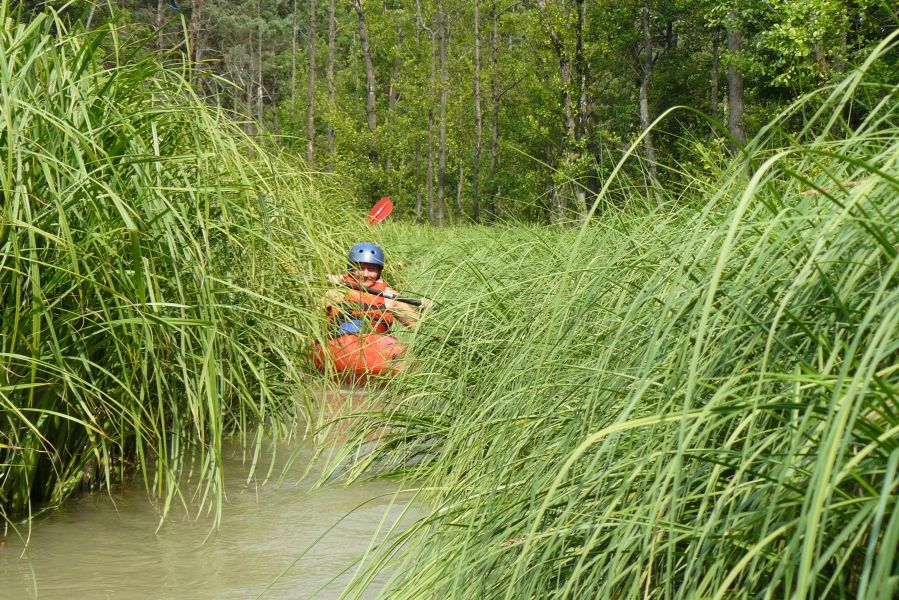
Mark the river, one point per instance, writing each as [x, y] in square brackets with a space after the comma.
[102, 546]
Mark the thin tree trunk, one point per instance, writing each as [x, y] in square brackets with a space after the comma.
[478, 117]
[252, 126]
[735, 85]
[556, 205]
[567, 105]
[580, 65]
[276, 114]
[418, 183]
[444, 90]
[370, 80]
[580, 69]
[355, 66]
[569, 112]
[160, 7]
[495, 97]
[716, 58]
[194, 30]
[196, 41]
[645, 80]
[90, 16]
[392, 94]
[431, 95]
[565, 67]
[310, 92]
[260, 106]
[293, 56]
[430, 183]
[332, 90]
[459, 185]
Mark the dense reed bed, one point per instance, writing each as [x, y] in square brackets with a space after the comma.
[692, 401]
[153, 268]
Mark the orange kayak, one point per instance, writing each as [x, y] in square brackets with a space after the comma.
[356, 356]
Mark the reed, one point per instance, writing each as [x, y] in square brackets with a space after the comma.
[155, 265]
[668, 402]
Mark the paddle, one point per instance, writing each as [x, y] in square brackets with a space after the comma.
[384, 294]
[380, 211]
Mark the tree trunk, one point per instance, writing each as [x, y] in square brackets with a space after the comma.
[556, 205]
[276, 115]
[734, 85]
[645, 80]
[459, 185]
[90, 16]
[580, 65]
[195, 30]
[418, 183]
[196, 41]
[355, 65]
[332, 91]
[431, 94]
[716, 57]
[567, 72]
[160, 7]
[495, 96]
[392, 94]
[293, 57]
[430, 183]
[260, 90]
[580, 69]
[370, 80]
[310, 92]
[444, 90]
[478, 117]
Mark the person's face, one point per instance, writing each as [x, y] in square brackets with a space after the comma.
[366, 273]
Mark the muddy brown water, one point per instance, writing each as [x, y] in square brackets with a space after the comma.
[103, 546]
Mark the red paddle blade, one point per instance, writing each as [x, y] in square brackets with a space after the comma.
[380, 211]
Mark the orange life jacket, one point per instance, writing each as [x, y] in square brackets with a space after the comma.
[366, 312]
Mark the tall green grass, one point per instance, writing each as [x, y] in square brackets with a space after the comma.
[154, 273]
[692, 401]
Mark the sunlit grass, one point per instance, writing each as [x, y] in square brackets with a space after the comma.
[155, 267]
[669, 402]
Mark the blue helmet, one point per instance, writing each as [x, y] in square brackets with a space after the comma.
[366, 252]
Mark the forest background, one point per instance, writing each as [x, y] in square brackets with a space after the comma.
[710, 371]
[478, 110]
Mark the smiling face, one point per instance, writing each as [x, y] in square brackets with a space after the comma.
[365, 273]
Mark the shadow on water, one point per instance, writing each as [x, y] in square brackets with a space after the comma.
[103, 546]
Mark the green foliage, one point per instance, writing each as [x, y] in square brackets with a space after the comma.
[665, 402]
[255, 56]
[153, 262]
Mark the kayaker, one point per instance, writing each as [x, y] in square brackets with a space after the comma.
[360, 322]
[366, 262]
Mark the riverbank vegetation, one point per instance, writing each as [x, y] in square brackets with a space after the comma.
[686, 387]
[153, 262]
[483, 110]
[697, 400]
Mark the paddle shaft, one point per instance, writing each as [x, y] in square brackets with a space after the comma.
[385, 294]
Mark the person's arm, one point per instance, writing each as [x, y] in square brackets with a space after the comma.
[406, 314]
[333, 297]
[402, 312]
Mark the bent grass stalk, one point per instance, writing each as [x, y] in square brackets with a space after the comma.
[670, 402]
[144, 240]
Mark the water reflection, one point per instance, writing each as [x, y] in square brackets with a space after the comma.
[102, 547]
